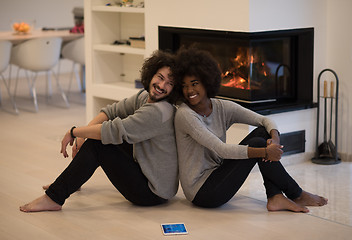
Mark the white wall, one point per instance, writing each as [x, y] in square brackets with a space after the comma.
[261, 15]
[46, 13]
[207, 14]
[340, 59]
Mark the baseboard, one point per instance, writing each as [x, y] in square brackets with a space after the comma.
[345, 157]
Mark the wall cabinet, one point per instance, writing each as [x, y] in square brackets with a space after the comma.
[111, 70]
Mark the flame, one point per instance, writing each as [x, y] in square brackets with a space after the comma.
[242, 65]
[237, 82]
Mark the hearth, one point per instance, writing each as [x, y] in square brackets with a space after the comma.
[268, 72]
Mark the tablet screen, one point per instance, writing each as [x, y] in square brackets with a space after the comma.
[173, 228]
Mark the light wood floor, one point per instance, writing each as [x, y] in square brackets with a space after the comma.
[30, 157]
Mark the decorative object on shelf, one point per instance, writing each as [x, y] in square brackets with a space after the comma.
[139, 5]
[137, 42]
[124, 3]
[138, 83]
[127, 3]
[326, 152]
[121, 42]
[78, 13]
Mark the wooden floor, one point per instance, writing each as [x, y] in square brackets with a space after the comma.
[30, 157]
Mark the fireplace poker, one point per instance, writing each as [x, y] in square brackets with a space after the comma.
[326, 153]
[324, 147]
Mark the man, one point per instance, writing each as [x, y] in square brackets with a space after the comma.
[132, 140]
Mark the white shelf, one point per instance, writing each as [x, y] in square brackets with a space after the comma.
[115, 91]
[109, 67]
[117, 9]
[119, 49]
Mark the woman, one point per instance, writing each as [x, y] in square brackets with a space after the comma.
[212, 171]
[133, 142]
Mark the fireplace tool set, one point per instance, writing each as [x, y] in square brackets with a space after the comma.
[326, 152]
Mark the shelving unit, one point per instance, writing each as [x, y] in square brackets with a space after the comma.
[111, 69]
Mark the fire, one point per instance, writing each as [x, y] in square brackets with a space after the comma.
[245, 64]
[237, 82]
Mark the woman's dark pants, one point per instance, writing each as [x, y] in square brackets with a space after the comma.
[225, 181]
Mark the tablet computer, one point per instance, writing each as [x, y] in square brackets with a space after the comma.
[173, 228]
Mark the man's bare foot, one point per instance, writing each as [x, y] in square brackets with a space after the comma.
[43, 203]
[45, 187]
[279, 202]
[309, 199]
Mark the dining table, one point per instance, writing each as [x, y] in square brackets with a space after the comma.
[17, 38]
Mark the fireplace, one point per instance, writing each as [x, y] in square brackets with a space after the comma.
[268, 72]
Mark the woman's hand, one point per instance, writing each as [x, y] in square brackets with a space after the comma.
[274, 148]
[275, 137]
[274, 152]
[65, 141]
[272, 141]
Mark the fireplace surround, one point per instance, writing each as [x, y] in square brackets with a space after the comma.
[268, 72]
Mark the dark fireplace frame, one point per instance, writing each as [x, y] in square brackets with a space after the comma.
[302, 41]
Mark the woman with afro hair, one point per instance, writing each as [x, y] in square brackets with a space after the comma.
[211, 170]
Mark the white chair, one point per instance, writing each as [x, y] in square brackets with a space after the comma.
[5, 53]
[38, 55]
[74, 51]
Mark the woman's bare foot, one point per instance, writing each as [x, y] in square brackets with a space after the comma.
[43, 203]
[308, 199]
[279, 202]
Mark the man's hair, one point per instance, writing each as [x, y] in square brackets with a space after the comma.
[151, 65]
[198, 63]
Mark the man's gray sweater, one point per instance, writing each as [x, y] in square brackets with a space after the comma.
[150, 128]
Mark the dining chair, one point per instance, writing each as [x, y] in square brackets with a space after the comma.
[38, 55]
[74, 51]
[5, 53]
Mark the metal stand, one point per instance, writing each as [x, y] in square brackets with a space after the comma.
[326, 152]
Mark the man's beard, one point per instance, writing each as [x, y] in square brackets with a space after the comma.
[157, 99]
[154, 99]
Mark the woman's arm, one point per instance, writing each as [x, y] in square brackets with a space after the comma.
[189, 124]
[272, 152]
[275, 137]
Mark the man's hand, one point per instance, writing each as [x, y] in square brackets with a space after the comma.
[65, 141]
[76, 147]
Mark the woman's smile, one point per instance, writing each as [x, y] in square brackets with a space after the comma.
[192, 96]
